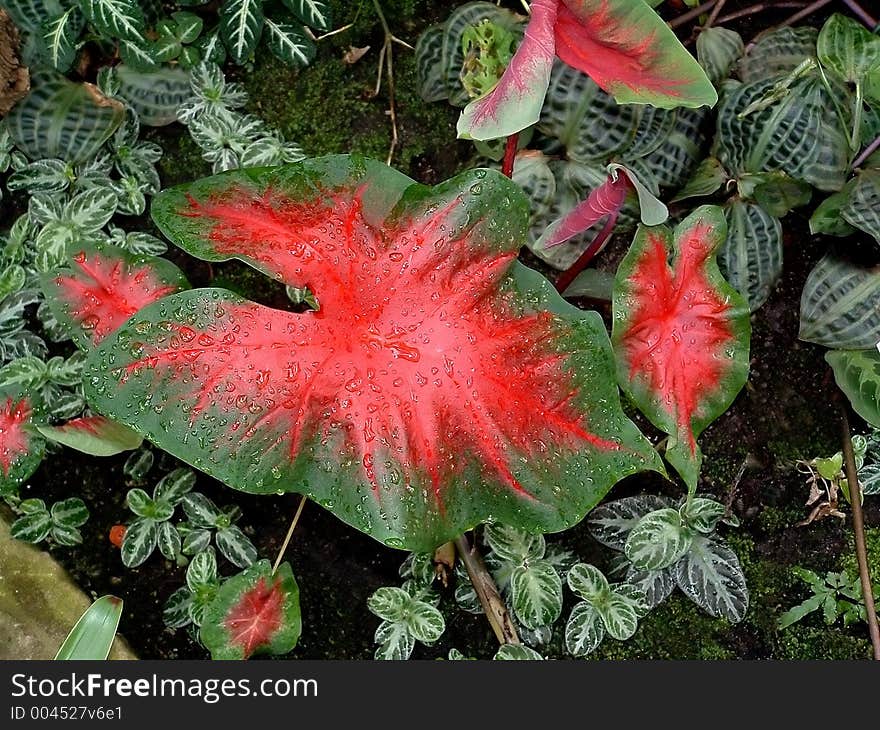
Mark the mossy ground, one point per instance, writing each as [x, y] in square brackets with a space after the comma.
[787, 412]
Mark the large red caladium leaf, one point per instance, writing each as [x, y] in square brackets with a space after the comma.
[100, 287]
[21, 447]
[681, 332]
[439, 384]
[254, 612]
[623, 45]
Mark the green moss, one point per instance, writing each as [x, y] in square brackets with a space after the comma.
[809, 642]
[848, 562]
[774, 519]
[250, 283]
[181, 157]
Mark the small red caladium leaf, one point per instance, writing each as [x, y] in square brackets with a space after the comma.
[100, 287]
[680, 333]
[94, 435]
[623, 45]
[254, 612]
[515, 103]
[440, 382]
[21, 447]
[629, 51]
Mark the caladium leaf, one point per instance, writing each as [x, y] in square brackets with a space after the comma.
[99, 288]
[21, 447]
[254, 612]
[628, 50]
[429, 337]
[605, 200]
[95, 435]
[680, 333]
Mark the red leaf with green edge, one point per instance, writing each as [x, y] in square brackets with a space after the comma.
[100, 287]
[681, 332]
[626, 48]
[254, 612]
[21, 447]
[606, 199]
[439, 384]
[515, 103]
[93, 435]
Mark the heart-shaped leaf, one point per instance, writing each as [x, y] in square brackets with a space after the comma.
[584, 630]
[21, 447]
[658, 540]
[254, 612]
[99, 288]
[536, 594]
[440, 382]
[680, 333]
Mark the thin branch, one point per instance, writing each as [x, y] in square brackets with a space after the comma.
[861, 14]
[691, 14]
[570, 274]
[386, 63]
[757, 8]
[713, 16]
[510, 154]
[855, 494]
[866, 153]
[487, 591]
[801, 14]
[293, 522]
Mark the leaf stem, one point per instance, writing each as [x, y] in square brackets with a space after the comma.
[866, 153]
[757, 8]
[862, 14]
[570, 274]
[487, 591]
[716, 11]
[293, 522]
[852, 480]
[510, 154]
[691, 14]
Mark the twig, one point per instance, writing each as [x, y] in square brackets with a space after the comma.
[801, 14]
[302, 503]
[861, 13]
[691, 14]
[332, 33]
[855, 493]
[570, 274]
[386, 63]
[487, 591]
[510, 154]
[866, 153]
[757, 8]
[719, 6]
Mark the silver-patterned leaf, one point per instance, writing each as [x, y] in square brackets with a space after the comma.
[655, 585]
[512, 544]
[751, 256]
[848, 48]
[241, 25]
[620, 616]
[200, 510]
[175, 613]
[290, 43]
[202, 570]
[718, 50]
[116, 18]
[588, 582]
[389, 603]
[517, 652]
[658, 540]
[861, 208]
[314, 13]
[71, 512]
[155, 95]
[584, 630]
[33, 528]
[236, 546]
[611, 523]
[168, 539]
[840, 305]
[536, 594]
[711, 576]
[857, 373]
[429, 64]
[395, 643]
[60, 37]
[777, 53]
[139, 542]
[424, 622]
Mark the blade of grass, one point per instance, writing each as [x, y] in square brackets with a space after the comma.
[93, 634]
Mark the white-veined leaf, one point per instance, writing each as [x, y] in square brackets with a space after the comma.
[610, 523]
[658, 540]
[290, 43]
[536, 594]
[711, 576]
[584, 630]
[241, 24]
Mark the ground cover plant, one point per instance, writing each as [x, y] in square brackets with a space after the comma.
[497, 330]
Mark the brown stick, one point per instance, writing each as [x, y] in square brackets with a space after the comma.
[691, 14]
[861, 13]
[716, 11]
[801, 14]
[866, 153]
[757, 8]
[487, 591]
[855, 494]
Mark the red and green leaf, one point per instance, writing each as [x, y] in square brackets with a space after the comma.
[626, 48]
[21, 447]
[254, 612]
[681, 332]
[99, 288]
[515, 103]
[439, 383]
[93, 435]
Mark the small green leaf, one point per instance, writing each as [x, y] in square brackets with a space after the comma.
[517, 546]
[241, 24]
[202, 570]
[139, 542]
[857, 373]
[188, 26]
[140, 502]
[395, 642]
[314, 13]
[195, 541]
[389, 603]
[33, 527]
[711, 576]
[536, 594]
[588, 582]
[707, 179]
[516, 652]
[66, 535]
[236, 546]
[584, 630]
[658, 540]
[848, 48]
[200, 510]
[290, 43]
[93, 635]
[176, 612]
[168, 539]
[424, 622]
[70, 512]
[116, 18]
[702, 514]
[611, 523]
[619, 616]
[175, 485]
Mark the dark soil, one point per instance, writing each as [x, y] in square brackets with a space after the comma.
[789, 410]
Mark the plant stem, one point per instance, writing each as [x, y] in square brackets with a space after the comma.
[386, 62]
[861, 13]
[855, 493]
[716, 11]
[866, 153]
[757, 8]
[691, 14]
[801, 14]
[487, 591]
[510, 154]
[570, 274]
[302, 503]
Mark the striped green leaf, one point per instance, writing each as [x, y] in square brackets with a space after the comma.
[848, 48]
[681, 150]
[139, 55]
[314, 13]
[32, 528]
[751, 256]
[777, 53]
[71, 512]
[139, 542]
[31, 15]
[62, 119]
[718, 50]
[588, 582]
[116, 18]
[584, 630]
[236, 546]
[156, 95]
[429, 64]
[862, 205]
[536, 594]
[241, 24]
[513, 545]
[840, 305]
[658, 540]
[711, 576]
[857, 373]
[93, 635]
[516, 652]
[60, 37]
[290, 43]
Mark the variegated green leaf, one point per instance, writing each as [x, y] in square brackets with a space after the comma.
[777, 52]
[116, 18]
[516, 652]
[611, 523]
[588, 582]
[718, 50]
[241, 24]
[861, 207]
[702, 514]
[188, 26]
[60, 37]
[857, 373]
[33, 527]
[389, 603]
[168, 540]
[708, 178]
[840, 305]
[751, 256]
[175, 613]
[139, 542]
[513, 545]
[395, 642]
[290, 43]
[30, 15]
[658, 540]
[202, 570]
[848, 48]
[156, 95]
[62, 119]
[429, 64]
[175, 485]
[654, 585]
[584, 630]
[200, 510]
[619, 615]
[424, 622]
[236, 546]
[536, 594]
[711, 576]
[314, 13]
